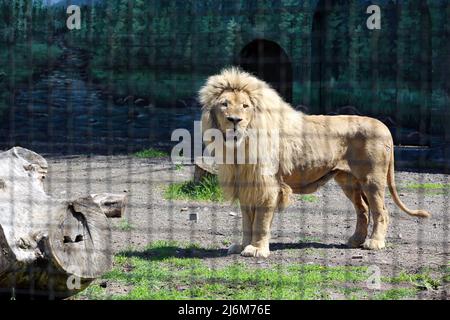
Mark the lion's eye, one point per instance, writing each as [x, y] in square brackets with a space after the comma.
[225, 104]
[245, 106]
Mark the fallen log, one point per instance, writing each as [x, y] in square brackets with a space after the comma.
[48, 247]
[112, 205]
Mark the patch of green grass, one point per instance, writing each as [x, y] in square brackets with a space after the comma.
[423, 281]
[430, 188]
[308, 198]
[179, 167]
[93, 292]
[396, 294]
[226, 242]
[445, 270]
[125, 225]
[208, 189]
[170, 270]
[173, 270]
[308, 239]
[354, 293]
[150, 153]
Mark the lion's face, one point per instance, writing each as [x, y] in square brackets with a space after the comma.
[234, 111]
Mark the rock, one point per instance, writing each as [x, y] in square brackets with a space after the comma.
[303, 109]
[357, 257]
[128, 99]
[184, 209]
[181, 104]
[103, 284]
[187, 103]
[119, 101]
[349, 110]
[416, 136]
[388, 121]
[141, 102]
[233, 214]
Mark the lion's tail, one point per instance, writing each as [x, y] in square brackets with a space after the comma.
[393, 190]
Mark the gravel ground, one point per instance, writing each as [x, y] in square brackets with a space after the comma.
[307, 232]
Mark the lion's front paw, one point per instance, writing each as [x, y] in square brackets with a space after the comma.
[251, 251]
[372, 244]
[356, 241]
[235, 248]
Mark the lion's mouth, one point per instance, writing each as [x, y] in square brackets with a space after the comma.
[239, 137]
[235, 136]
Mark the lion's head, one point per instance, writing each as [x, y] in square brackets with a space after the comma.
[242, 106]
[235, 100]
[229, 102]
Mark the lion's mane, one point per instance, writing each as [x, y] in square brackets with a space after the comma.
[247, 182]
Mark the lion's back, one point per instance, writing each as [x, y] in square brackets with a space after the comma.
[351, 127]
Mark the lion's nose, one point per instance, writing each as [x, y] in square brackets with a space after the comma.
[235, 120]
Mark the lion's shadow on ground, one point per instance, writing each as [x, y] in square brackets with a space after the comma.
[166, 252]
[305, 245]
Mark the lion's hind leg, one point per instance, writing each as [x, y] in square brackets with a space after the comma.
[353, 191]
[375, 193]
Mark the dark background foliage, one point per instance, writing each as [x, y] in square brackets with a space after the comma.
[318, 54]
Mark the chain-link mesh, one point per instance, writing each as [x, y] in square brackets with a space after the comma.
[95, 91]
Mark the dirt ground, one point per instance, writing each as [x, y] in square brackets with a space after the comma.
[307, 232]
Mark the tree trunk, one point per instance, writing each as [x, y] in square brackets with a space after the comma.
[48, 247]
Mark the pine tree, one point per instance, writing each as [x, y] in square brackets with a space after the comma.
[138, 31]
[232, 38]
[355, 31]
[20, 19]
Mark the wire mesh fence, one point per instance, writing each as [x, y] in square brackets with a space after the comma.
[93, 205]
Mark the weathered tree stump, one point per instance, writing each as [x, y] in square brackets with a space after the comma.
[203, 169]
[48, 247]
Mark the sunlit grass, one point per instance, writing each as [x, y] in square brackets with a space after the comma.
[429, 188]
[173, 270]
[125, 225]
[169, 270]
[208, 189]
[308, 198]
[150, 153]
